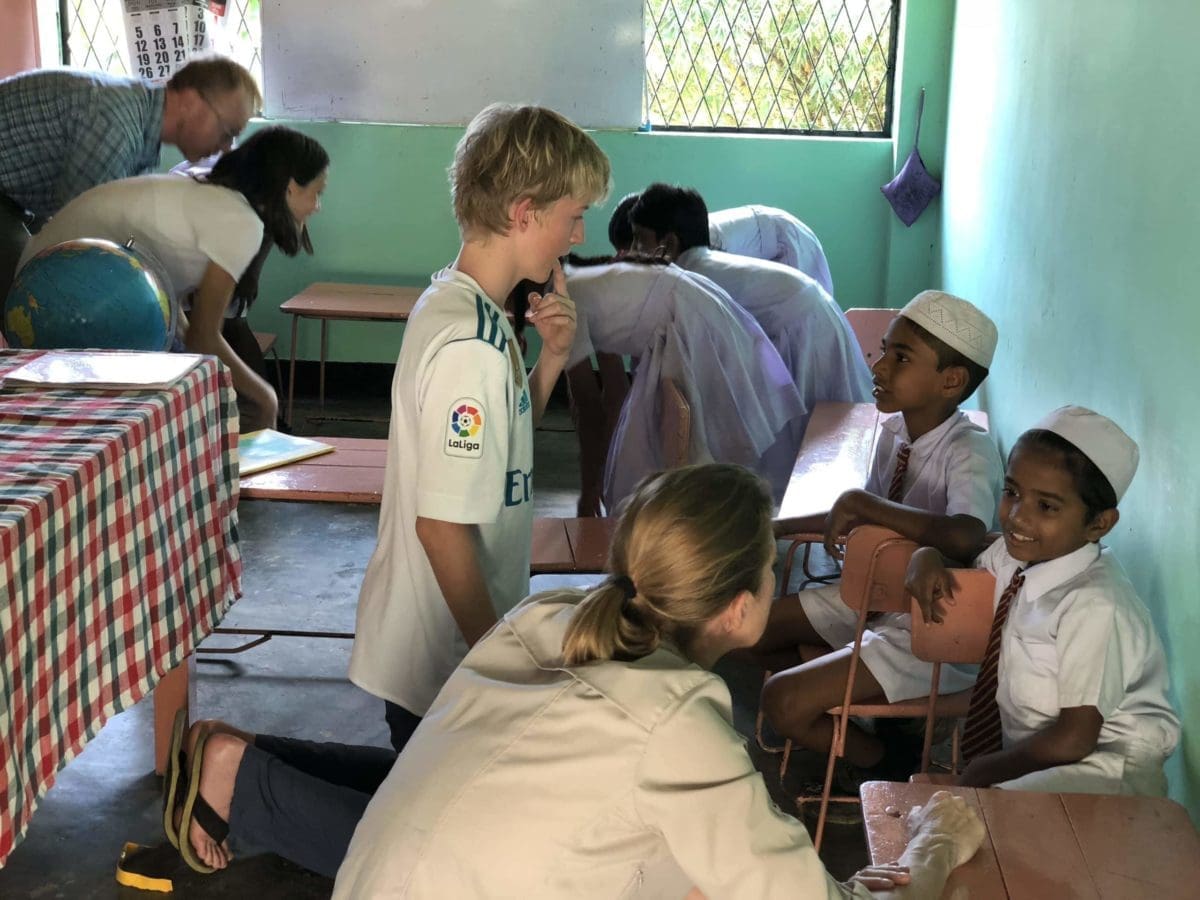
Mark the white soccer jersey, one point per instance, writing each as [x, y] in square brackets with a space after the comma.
[460, 449]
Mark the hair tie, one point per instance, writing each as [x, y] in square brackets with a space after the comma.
[625, 583]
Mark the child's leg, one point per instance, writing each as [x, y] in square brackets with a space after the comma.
[795, 702]
[817, 617]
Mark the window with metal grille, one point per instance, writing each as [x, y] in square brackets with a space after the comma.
[822, 67]
[92, 35]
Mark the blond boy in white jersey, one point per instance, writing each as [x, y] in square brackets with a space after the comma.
[456, 524]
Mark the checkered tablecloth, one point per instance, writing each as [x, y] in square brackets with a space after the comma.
[118, 554]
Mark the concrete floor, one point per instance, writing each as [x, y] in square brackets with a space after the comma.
[302, 567]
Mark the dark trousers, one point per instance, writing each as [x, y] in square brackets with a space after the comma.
[302, 800]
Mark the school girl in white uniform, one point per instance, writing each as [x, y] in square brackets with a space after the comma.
[1082, 679]
[802, 320]
[583, 749]
[744, 407]
[765, 232]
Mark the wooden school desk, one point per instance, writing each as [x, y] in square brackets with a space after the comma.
[353, 473]
[835, 456]
[118, 555]
[1060, 846]
[328, 300]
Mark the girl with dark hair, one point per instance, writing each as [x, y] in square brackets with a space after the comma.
[207, 233]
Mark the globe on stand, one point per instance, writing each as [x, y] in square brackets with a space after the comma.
[90, 293]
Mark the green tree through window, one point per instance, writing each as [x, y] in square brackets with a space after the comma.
[805, 66]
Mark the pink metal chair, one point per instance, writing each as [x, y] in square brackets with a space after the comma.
[870, 325]
[873, 581]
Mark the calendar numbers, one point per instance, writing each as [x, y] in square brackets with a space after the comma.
[163, 35]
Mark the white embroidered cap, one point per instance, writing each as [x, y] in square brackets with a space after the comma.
[957, 322]
[1100, 439]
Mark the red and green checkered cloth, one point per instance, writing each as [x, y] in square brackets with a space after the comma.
[118, 554]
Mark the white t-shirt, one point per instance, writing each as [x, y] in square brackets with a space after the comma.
[460, 449]
[183, 223]
[765, 232]
[953, 470]
[1077, 634]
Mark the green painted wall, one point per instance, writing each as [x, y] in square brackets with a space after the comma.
[1072, 215]
[386, 214]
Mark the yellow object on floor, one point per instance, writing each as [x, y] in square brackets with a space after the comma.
[148, 868]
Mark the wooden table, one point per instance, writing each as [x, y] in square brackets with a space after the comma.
[1059, 846]
[329, 300]
[118, 555]
[835, 456]
[352, 473]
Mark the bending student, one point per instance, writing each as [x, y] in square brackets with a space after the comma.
[206, 233]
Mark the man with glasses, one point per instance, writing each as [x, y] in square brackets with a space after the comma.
[68, 130]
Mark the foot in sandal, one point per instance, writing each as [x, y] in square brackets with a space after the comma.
[213, 760]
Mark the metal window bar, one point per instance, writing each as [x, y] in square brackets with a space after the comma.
[92, 35]
[820, 67]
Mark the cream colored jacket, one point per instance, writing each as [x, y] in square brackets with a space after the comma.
[530, 780]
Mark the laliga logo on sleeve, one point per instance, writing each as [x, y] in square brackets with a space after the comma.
[464, 433]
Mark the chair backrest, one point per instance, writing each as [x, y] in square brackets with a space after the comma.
[962, 635]
[874, 567]
[870, 325]
[675, 429]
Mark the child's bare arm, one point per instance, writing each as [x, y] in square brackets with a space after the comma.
[1072, 737]
[955, 537]
[553, 315]
[453, 552]
[931, 583]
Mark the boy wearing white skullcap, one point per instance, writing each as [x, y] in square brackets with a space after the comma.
[935, 479]
[1078, 701]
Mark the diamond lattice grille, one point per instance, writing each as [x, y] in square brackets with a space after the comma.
[821, 66]
[96, 35]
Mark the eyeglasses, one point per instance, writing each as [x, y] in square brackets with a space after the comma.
[228, 135]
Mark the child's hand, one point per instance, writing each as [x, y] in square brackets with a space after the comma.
[930, 583]
[846, 513]
[882, 877]
[553, 314]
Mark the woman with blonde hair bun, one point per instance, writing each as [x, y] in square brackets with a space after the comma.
[583, 749]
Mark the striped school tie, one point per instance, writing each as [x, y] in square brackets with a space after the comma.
[896, 488]
[982, 733]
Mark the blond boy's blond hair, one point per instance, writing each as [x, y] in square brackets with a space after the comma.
[512, 152]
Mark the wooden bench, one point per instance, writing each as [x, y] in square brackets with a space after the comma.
[353, 473]
[1052, 845]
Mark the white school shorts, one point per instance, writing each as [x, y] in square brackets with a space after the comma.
[886, 647]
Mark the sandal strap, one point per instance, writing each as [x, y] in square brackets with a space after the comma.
[207, 818]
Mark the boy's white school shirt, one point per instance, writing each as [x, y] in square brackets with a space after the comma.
[460, 449]
[1077, 634]
[766, 232]
[953, 469]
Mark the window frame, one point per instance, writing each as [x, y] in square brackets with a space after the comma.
[889, 108]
